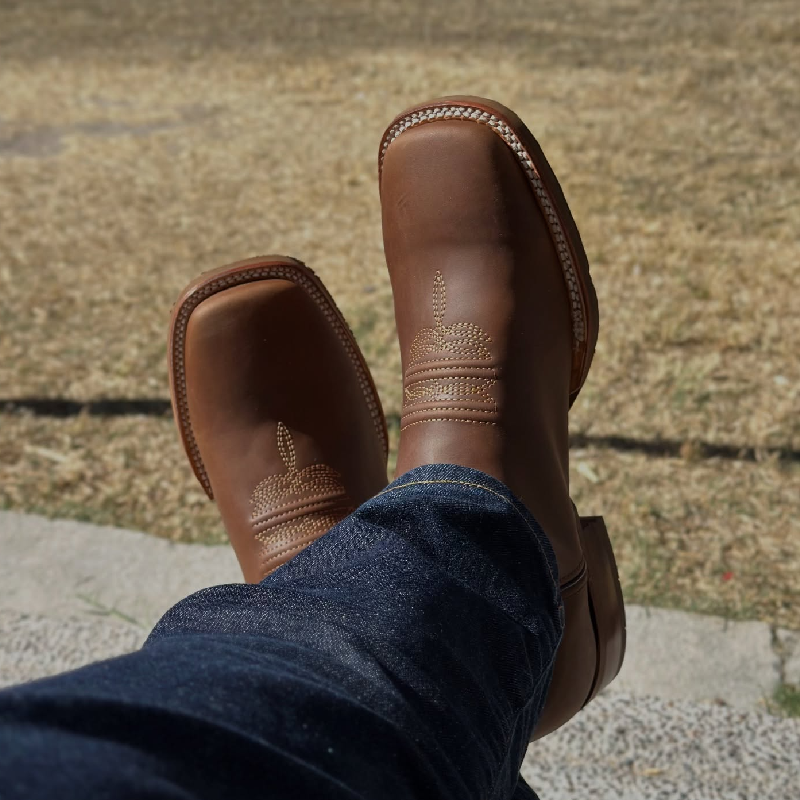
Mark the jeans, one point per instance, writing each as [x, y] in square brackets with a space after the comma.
[405, 654]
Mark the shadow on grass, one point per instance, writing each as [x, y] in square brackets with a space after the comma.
[62, 408]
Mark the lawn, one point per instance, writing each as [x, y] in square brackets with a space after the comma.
[141, 143]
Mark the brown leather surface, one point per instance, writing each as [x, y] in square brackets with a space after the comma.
[575, 666]
[486, 341]
[279, 414]
[455, 204]
[553, 204]
[607, 605]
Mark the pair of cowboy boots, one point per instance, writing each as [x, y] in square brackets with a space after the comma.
[497, 320]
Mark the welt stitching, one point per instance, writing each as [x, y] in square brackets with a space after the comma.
[246, 277]
[543, 195]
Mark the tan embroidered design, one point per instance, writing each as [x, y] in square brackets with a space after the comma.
[462, 388]
[276, 491]
[288, 537]
[460, 385]
[291, 509]
[462, 339]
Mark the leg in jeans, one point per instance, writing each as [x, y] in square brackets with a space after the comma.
[406, 654]
[410, 651]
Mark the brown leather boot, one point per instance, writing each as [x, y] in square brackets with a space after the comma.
[497, 320]
[275, 406]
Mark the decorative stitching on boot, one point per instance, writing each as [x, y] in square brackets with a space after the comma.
[455, 368]
[542, 194]
[464, 339]
[467, 409]
[447, 419]
[318, 484]
[305, 279]
[466, 388]
[278, 490]
[457, 341]
[269, 558]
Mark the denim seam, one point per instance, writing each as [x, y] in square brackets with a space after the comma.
[551, 661]
[491, 491]
[493, 791]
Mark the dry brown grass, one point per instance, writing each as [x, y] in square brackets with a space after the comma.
[141, 143]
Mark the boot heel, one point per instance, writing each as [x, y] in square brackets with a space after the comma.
[593, 646]
[605, 602]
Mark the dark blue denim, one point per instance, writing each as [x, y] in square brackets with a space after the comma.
[406, 654]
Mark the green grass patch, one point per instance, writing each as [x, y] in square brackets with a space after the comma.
[786, 701]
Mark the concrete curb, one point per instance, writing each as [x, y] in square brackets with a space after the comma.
[683, 720]
[60, 568]
[643, 748]
[63, 570]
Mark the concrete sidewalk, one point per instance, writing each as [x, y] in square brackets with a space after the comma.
[686, 717]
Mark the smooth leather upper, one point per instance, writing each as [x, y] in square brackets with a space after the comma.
[280, 419]
[455, 203]
[460, 222]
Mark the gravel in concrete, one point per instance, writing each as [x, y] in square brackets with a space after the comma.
[33, 646]
[637, 748]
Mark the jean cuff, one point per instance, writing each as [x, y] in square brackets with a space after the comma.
[477, 530]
